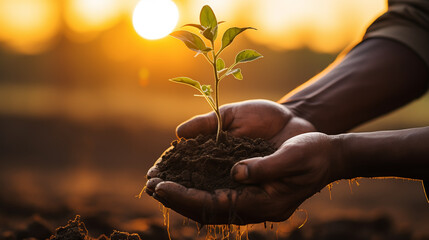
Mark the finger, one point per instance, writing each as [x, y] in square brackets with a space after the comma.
[200, 206]
[249, 206]
[152, 172]
[201, 124]
[186, 201]
[263, 169]
[254, 205]
[151, 185]
[206, 123]
[224, 206]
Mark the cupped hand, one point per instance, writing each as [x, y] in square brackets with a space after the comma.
[253, 118]
[265, 199]
[277, 184]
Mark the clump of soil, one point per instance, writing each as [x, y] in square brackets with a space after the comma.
[76, 230]
[204, 164]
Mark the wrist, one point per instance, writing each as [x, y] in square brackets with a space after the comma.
[339, 165]
[397, 153]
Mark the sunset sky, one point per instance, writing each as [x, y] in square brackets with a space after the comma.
[86, 106]
[33, 26]
[85, 58]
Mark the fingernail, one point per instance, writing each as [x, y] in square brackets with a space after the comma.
[240, 172]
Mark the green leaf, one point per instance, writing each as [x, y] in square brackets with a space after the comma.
[187, 81]
[192, 41]
[214, 31]
[237, 74]
[247, 56]
[220, 64]
[207, 89]
[209, 22]
[201, 28]
[210, 34]
[207, 17]
[230, 34]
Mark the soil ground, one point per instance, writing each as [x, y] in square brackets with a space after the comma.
[203, 163]
[52, 169]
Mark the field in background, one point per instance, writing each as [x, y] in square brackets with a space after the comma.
[83, 119]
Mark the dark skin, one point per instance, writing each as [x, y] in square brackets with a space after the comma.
[256, 118]
[377, 76]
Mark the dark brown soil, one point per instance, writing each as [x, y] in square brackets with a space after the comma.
[204, 164]
[76, 230]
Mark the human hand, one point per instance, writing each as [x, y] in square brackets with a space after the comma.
[278, 184]
[253, 118]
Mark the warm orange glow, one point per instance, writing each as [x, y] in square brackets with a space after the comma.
[225, 10]
[92, 15]
[323, 26]
[155, 19]
[28, 25]
[115, 46]
[144, 77]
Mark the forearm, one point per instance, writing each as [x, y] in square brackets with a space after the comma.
[400, 153]
[376, 77]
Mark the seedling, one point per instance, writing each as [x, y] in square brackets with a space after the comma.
[208, 28]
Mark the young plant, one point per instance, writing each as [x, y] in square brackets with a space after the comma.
[208, 28]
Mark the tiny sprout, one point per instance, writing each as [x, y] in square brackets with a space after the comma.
[208, 28]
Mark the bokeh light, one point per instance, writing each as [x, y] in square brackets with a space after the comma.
[86, 18]
[322, 26]
[86, 106]
[29, 26]
[155, 19]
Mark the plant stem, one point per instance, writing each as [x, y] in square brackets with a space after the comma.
[208, 58]
[219, 117]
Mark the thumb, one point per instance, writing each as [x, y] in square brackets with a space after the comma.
[201, 124]
[260, 169]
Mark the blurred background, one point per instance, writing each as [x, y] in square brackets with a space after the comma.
[86, 108]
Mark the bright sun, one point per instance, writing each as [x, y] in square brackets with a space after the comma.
[155, 19]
